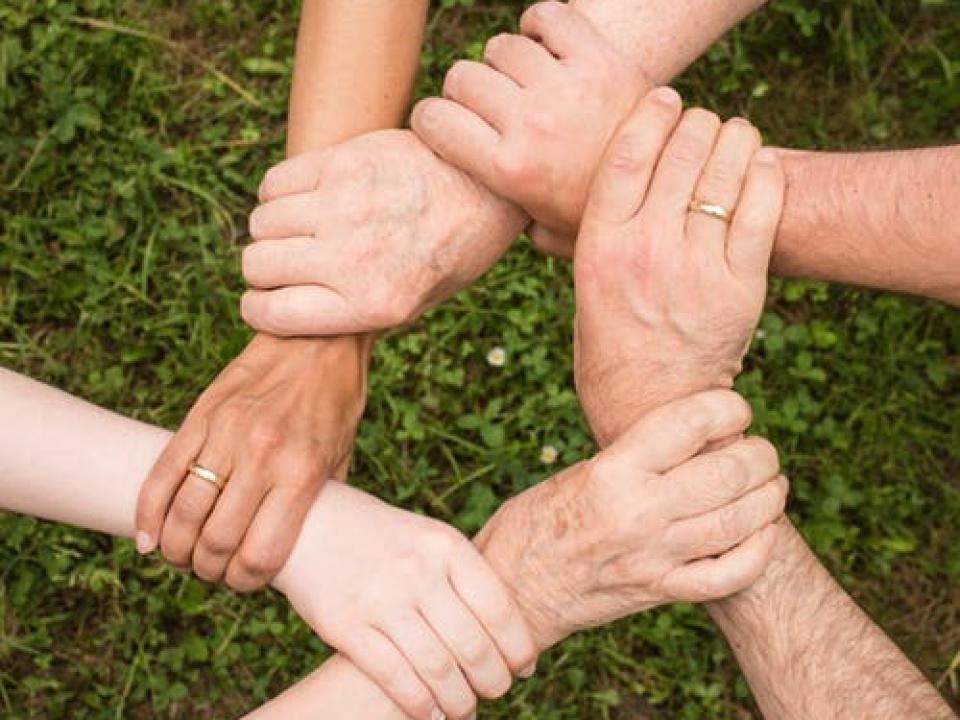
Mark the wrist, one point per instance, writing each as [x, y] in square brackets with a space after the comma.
[753, 620]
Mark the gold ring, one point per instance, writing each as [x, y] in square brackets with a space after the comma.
[218, 481]
[712, 210]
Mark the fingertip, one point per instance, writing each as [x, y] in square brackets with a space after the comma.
[667, 96]
[766, 157]
[146, 543]
[426, 114]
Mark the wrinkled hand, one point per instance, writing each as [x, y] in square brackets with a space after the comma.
[668, 299]
[533, 122]
[366, 236]
[410, 601]
[646, 522]
[277, 422]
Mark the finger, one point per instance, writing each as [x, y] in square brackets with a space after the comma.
[459, 136]
[519, 58]
[288, 216]
[298, 174]
[304, 310]
[196, 497]
[755, 223]
[717, 532]
[290, 261]
[467, 640]
[722, 182]
[561, 28]
[674, 433]
[491, 95]
[433, 662]
[720, 577]
[164, 480]
[380, 660]
[682, 163]
[269, 540]
[488, 599]
[227, 524]
[631, 158]
[552, 243]
[710, 481]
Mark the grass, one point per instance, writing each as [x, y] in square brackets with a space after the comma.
[133, 137]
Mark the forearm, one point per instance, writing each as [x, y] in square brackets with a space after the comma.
[355, 65]
[664, 36]
[809, 651]
[62, 447]
[337, 689]
[885, 220]
[66, 460]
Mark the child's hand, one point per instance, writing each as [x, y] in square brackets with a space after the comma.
[532, 123]
[410, 601]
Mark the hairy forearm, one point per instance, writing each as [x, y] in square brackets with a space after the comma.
[882, 219]
[664, 36]
[354, 71]
[809, 651]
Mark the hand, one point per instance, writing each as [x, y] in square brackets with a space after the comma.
[646, 522]
[409, 601]
[366, 236]
[277, 422]
[668, 299]
[533, 123]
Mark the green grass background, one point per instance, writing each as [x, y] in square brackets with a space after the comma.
[129, 156]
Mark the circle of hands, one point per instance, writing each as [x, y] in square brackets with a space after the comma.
[557, 131]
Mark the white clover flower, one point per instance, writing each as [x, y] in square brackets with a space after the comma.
[497, 357]
[549, 455]
[760, 334]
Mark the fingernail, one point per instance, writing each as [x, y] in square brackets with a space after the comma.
[437, 714]
[667, 95]
[766, 156]
[144, 543]
[528, 671]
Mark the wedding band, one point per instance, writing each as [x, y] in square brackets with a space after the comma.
[712, 210]
[209, 475]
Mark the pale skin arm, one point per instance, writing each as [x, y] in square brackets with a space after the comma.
[99, 461]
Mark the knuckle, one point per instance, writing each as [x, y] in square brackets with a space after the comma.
[694, 417]
[475, 651]
[264, 438]
[513, 165]
[190, 507]
[686, 152]
[541, 122]
[410, 694]
[729, 525]
[629, 153]
[440, 665]
[727, 475]
[218, 542]
[259, 559]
